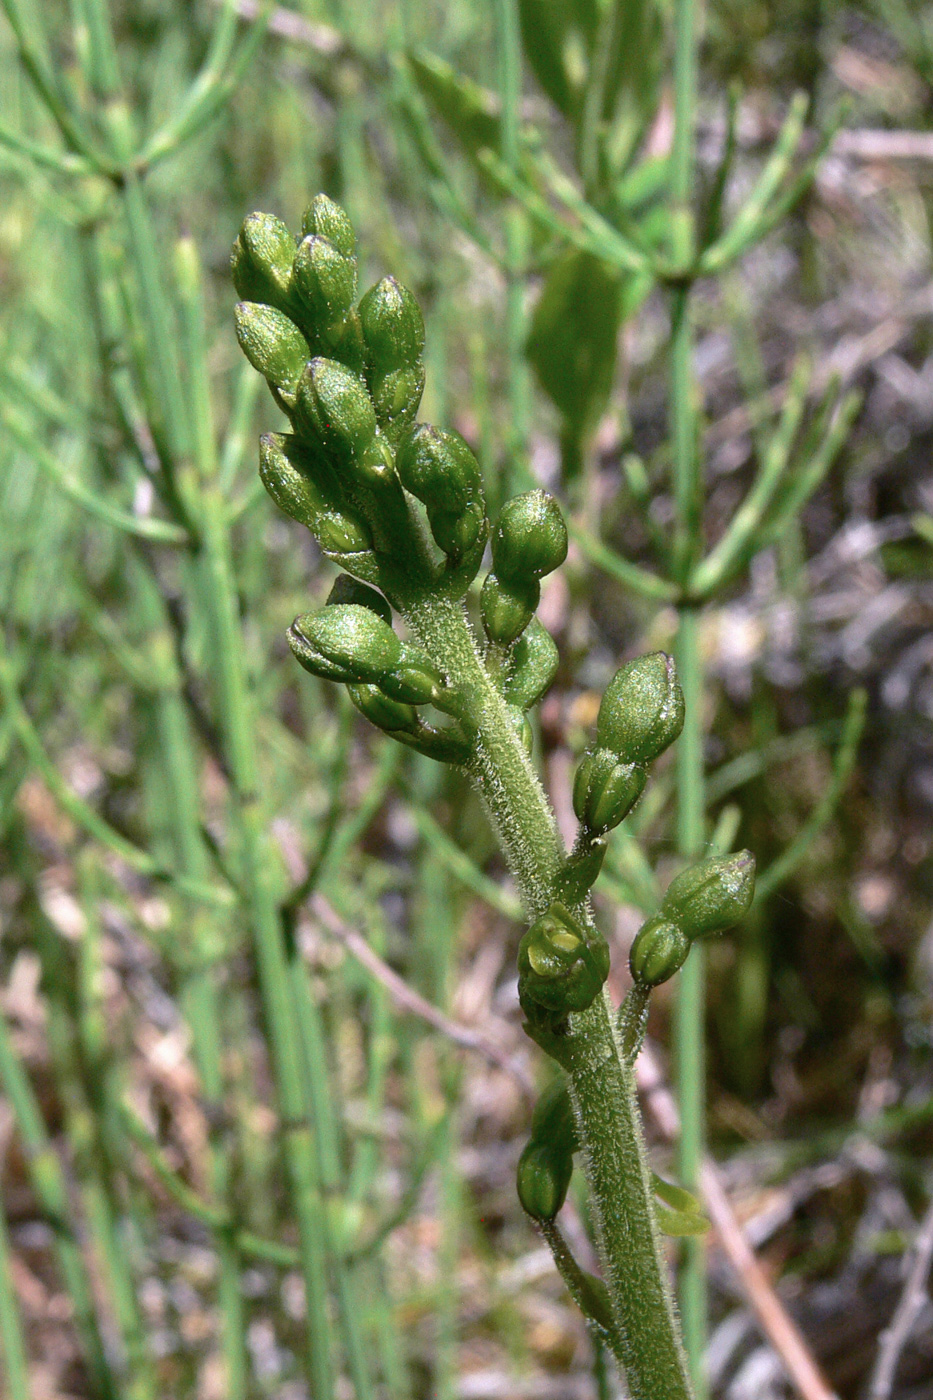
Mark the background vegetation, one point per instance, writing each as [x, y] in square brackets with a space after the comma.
[150, 1243]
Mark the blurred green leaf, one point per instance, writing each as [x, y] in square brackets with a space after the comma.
[470, 112]
[572, 339]
[599, 64]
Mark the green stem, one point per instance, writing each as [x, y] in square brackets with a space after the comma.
[11, 1324]
[689, 1040]
[601, 1085]
[510, 89]
[258, 860]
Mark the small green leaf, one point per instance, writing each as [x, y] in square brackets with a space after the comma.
[572, 339]
[682, 1214]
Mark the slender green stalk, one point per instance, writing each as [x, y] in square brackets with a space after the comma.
[689, 1030]
[15, 1361]
[510, 89]
[688, 545]
[48, 1183]
[601, 1085]
[200, 995]
[258, 860]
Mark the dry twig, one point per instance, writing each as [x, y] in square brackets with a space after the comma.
[409, 1000]
[896, 1336]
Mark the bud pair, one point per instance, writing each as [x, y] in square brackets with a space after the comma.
[393, 344]
[605, 789]
[439, 469]
[704, 899]
[304, 487]
[561, 965]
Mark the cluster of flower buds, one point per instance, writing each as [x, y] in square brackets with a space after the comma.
[355, 465]
[350, 379]
[704, 899]
[562, 966]
[546, 1164]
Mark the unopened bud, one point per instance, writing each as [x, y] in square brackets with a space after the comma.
[346, 638]
[642, 711]
[396, 399]
[457, 535]
[325, 281]
[508, 607]
[660, 949]
[390, 715]
[530, 537]
[272, 343]
[543, 1179]
[413, 678]
[534, 665]
[325, 217]
[561, 965]
[711, 896]
[298, 484]
[439, 468]
[347, 589]
[605, 790]
[261, 261]
[334, 408]
[393, 327]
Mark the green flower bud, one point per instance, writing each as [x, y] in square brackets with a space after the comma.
[543, 1179]
[530, 537]
[325, 217]
[375, 465]
[261, 261]
[393, 327]
[522, 727]
[335, 409]
[439, 468]
[561, 966]
[344, 342]
[457, 535]
[642, 711]
[711, 896]
[340, 533]
[605, 790]
[553, 1120]
[324, 279]
[347, 638]
[390, 715]
[272, 343]
[396, 399]
[350, 590]
[508, 607]
[660, 949]
[534, 665]
[413, 679]
[300, 486]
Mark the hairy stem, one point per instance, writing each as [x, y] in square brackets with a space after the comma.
[647, 1344]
